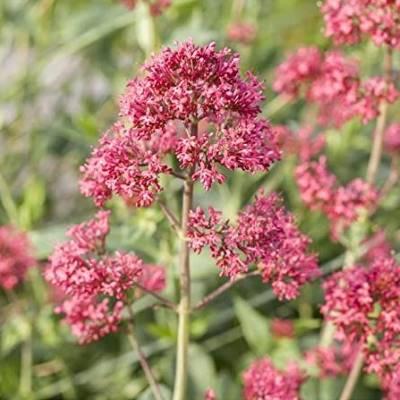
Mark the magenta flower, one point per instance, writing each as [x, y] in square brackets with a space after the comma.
[263, 382]
[241, 32]
[187, 86]
[342, 205]
[94, 283]
[153, 278]
[348, 21]
[210, 395]
[282, 328]
[15, 257]
[362, 302]
[392, 138]
[265, 236]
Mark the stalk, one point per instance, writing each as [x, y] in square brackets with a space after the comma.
[377, 146]
[353, 377]
[181, 372]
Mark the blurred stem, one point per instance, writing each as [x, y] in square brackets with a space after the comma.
[222, 289]
[237, 9]
[392, 178]
[142, 358]
[181, 373]
[170, 217]
[25, 382]
[353, 377]
[167, 303]
[376, 152]
[8, 202]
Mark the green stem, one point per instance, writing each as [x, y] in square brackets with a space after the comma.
[377, 146]
[142, 359]
[353, 377]
[181, 373]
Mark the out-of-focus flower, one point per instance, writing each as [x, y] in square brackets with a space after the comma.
[15, 257]
[262, 381]
[302, 143]
[241, 32]
[334, 360]
[282, 328]
[153, 278]
[332, 82]
[347, 21]
[210, 395]
[191, 102]
[342, 205]
[156, 7]
[265, 235]
[392, 138]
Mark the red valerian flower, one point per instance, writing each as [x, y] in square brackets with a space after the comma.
[191, 102]
[333, 83]
[347, 21]
[362, 302]
[210, 395]
[15, 257]
[319, 190]
[265, 235]
[94, 283]
[262, 381]
[156, 7]
[153, 278]
[282, 328]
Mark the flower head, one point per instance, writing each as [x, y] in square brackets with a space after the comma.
[392, 138]
[15, 257]
[190, 102]
[265, 235]
[347, 21]
[262, 381]
[241, 32]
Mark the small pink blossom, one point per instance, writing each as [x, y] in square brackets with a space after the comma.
[15, 257]
[282, 328]
[392, 138]
[210, 395]
[241, 32]
[153, 278]
[262, 381]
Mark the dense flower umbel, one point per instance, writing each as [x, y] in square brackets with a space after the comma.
[342, 205]
[332, 82]
[392, 138]
[265, 235]
[347, 21]
[363, 302]
[96, 283]
[262, 381]
[181, 90]
[15, 257]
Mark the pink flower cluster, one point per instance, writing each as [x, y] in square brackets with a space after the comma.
[264, 235]
[342, 205]
[282, 328]
[392, 138]
[241, 32]
[362, 302]
[210, 395]
[334, 360]
[156, 7]
[15, 257]
[181, 90]
[347, 21]
[95, 283]
[262, 381]
[332, 82]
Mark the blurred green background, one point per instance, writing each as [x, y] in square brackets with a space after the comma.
[63, 65]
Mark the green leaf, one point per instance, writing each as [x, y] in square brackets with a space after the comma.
[15, 331]
[255, 327]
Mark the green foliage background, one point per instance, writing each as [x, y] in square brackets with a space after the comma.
[63, 65]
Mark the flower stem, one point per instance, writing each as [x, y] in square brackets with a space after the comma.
[181, 372]
[353, 377]
[222, 289]
[142, 359]
[377, 146]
